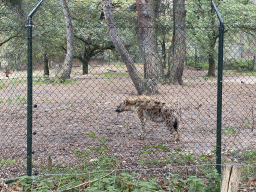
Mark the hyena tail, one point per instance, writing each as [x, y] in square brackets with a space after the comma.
[175, 125]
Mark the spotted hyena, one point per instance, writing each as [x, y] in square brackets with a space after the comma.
[148, 108]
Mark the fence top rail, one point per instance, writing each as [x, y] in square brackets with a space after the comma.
[218, 14]
[34, 10]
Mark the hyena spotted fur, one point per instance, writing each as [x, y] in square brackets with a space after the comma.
[156, 111]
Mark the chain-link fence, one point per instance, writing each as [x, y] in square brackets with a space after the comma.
[171, 55]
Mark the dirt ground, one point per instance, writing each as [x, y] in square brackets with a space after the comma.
[66, 113]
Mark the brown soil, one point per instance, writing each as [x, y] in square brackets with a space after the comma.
[65, 114]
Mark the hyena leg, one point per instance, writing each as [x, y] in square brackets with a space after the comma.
[143, 123]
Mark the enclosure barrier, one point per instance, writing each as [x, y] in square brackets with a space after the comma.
[219, 90]
[29, 25]
[76, 130]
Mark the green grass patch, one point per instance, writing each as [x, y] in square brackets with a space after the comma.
[6, 162]
[115, 74]
[120, 66]
[99, 177]
[2, 85]
[17, 81]
[94, 174]
[48, 101]
[229, 131]
[66, 82]
[9, 100]
[39, 82]
[21, 100]
[238, 65]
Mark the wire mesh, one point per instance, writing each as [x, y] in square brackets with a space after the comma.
[75, 124]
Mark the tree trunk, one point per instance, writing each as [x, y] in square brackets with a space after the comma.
[87, 56]
[66, 68]
[85, 64]
[211, 69]
[150, 59]
[211, 53]
[46, 64]
[85, 67]
[152, 30]
[163, 53]
[127, 59]
[179, 42]
[153, 7]
[212, 42]
[170, 58]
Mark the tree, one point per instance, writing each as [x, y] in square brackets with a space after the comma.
[178, 43]
[212, 36]
[202, 25]
[65, 71]
[91, 32]
[91, 49]
[127, 59]
[46, 64]
[16, 4]
[12, 35]
[154, 29]
[149, 55]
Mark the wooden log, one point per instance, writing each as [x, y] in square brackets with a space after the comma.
[231, 177]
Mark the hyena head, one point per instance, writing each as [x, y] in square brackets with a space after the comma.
[130, 103]
[122, 107]
[125, 106]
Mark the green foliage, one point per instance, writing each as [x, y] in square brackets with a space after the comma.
[97, 176]
[238, 65]
[202, 30]
[250, 156]
[154, 149]
[214, 179]
[194, 183]
[192, 64]
[102, 162]
[108, 181]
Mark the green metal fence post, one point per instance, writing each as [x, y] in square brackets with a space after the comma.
[219, 90]
[29, 25]
[29, 98]
[219, 97]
